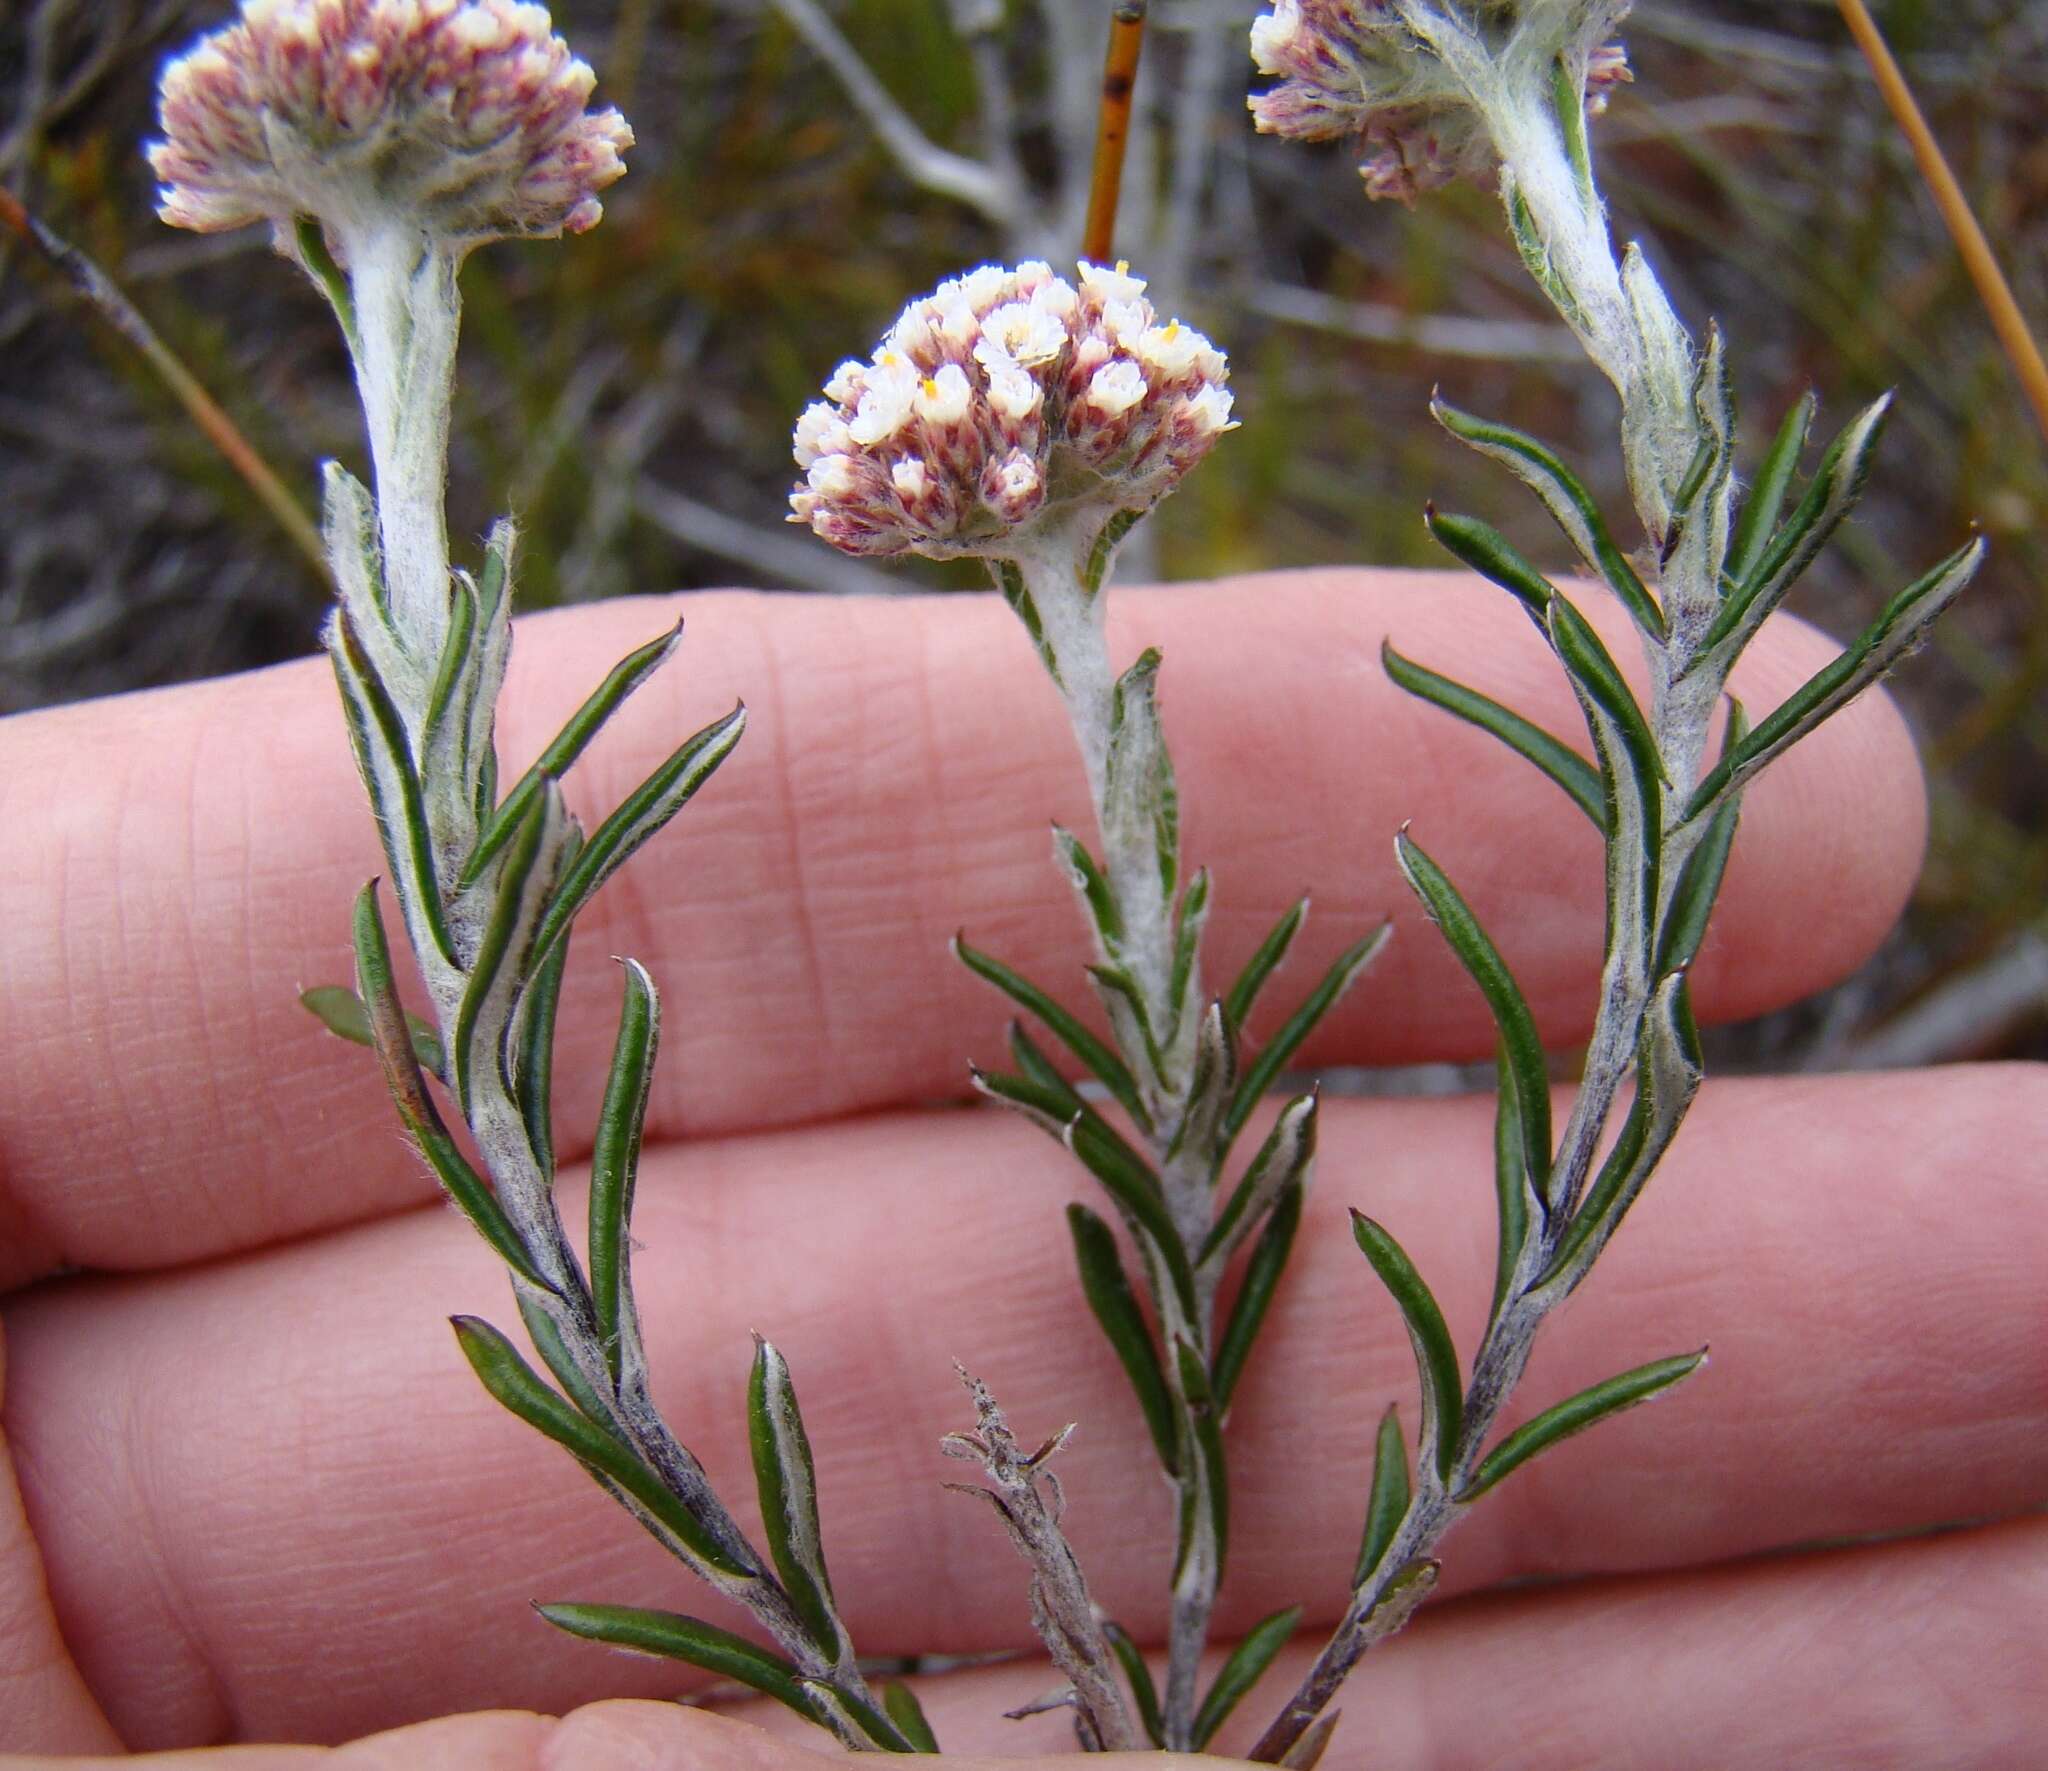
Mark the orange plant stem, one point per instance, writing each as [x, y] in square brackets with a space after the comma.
[1113, 130]
[1978, 258]
[200, 406]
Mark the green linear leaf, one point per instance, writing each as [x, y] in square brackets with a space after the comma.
[311, 241]
[1510, 1180]
[383, 754]
[1555, 758]
[1124, 1003]
[515, 1385]
[1109, 1294]
[1144, 1694]
[1259, 1074]
[1283, 1159]
[1387, 1505]
[1212, 1078]
[1766, 500]
[1086, 877]
[568, 744]
[1036, 1067]
[675, 1637]
[615, 1160]
[1836, 487]
[1192, 919]
[1901, 626]
[1588, 1408]
[1104, 550]
[1477, 953]
[340, 1010]
[1105, 1064]
[1489, 553]
[1237, 1004]
[1592, 668]
[1255, 1296]
[1009, 579]
[1244, 1669]
[640, 815]
[445, 731]
[1699, 885]
[1570, 505]
[392, 1040]
[535, 1025]
[1140, 787]
[1202, 1413]
[900, 1702]
[1436, 1358]
[787, 1481]
[494, 651]
[555, 1355]
[502, 954]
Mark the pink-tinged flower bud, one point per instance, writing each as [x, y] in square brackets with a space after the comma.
[464, 117]
[1003, 400]
[1355, 68]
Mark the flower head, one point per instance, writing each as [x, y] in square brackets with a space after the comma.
[466, 115]
[1362, 68]
[1002, 398]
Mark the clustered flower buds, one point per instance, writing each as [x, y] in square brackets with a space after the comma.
[1356, 68]
[1000, 400]
[466, 115]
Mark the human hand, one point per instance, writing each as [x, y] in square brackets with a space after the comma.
[262, 1497]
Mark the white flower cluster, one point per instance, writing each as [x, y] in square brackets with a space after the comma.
[1357, 68]
[1003, 398]
[467, 116]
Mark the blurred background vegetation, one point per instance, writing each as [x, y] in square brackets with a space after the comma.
[633, 396]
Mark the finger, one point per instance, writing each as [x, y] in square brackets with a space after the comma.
[1893, 1658]
[295, 1448]
[619, 1736]
[182, 862]
[44, 1704]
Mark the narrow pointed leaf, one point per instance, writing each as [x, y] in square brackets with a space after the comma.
[1037, 1068]
[1259, 1074]
[1836, 488]
[1766, 500]
[1901, 627]
[422, 1120]
[508, 940]
[1104, 550]
[1144, 1694]
[515, 1384]
[535, 1029]
[1237, 1004]
[1245, 1668]
[1104, 1063]
[1210, 1087]
[1010, 581]
[1255, 1296]
[1555, 758]
[1137, 1192]
[675, 1637]
[1109, 1294]
[788, 1485]
[1307, 1752]
[1668, 1072]
[1588, 1408]
[900, 1702]
[1203, 1410]
[615, 1161]
[1510, 1180]
[1503, 996]
[1086, 877]
[555, 1355]
[1699, 885]
[1489, 553]
[860, 1726]
[384, 756]
[1570, 505]
[1593, 671]
[1124, 1003]
[1436, 1359]
[569, 744]
[1140, 788]
[1283, 1159]
[643, 812]
[340, 1010]
[493, 653]
[1187, 945]
[1387, 1505]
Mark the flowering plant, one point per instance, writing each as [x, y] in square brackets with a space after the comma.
[1027, 421]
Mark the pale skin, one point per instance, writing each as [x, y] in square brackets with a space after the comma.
[255, 1495]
